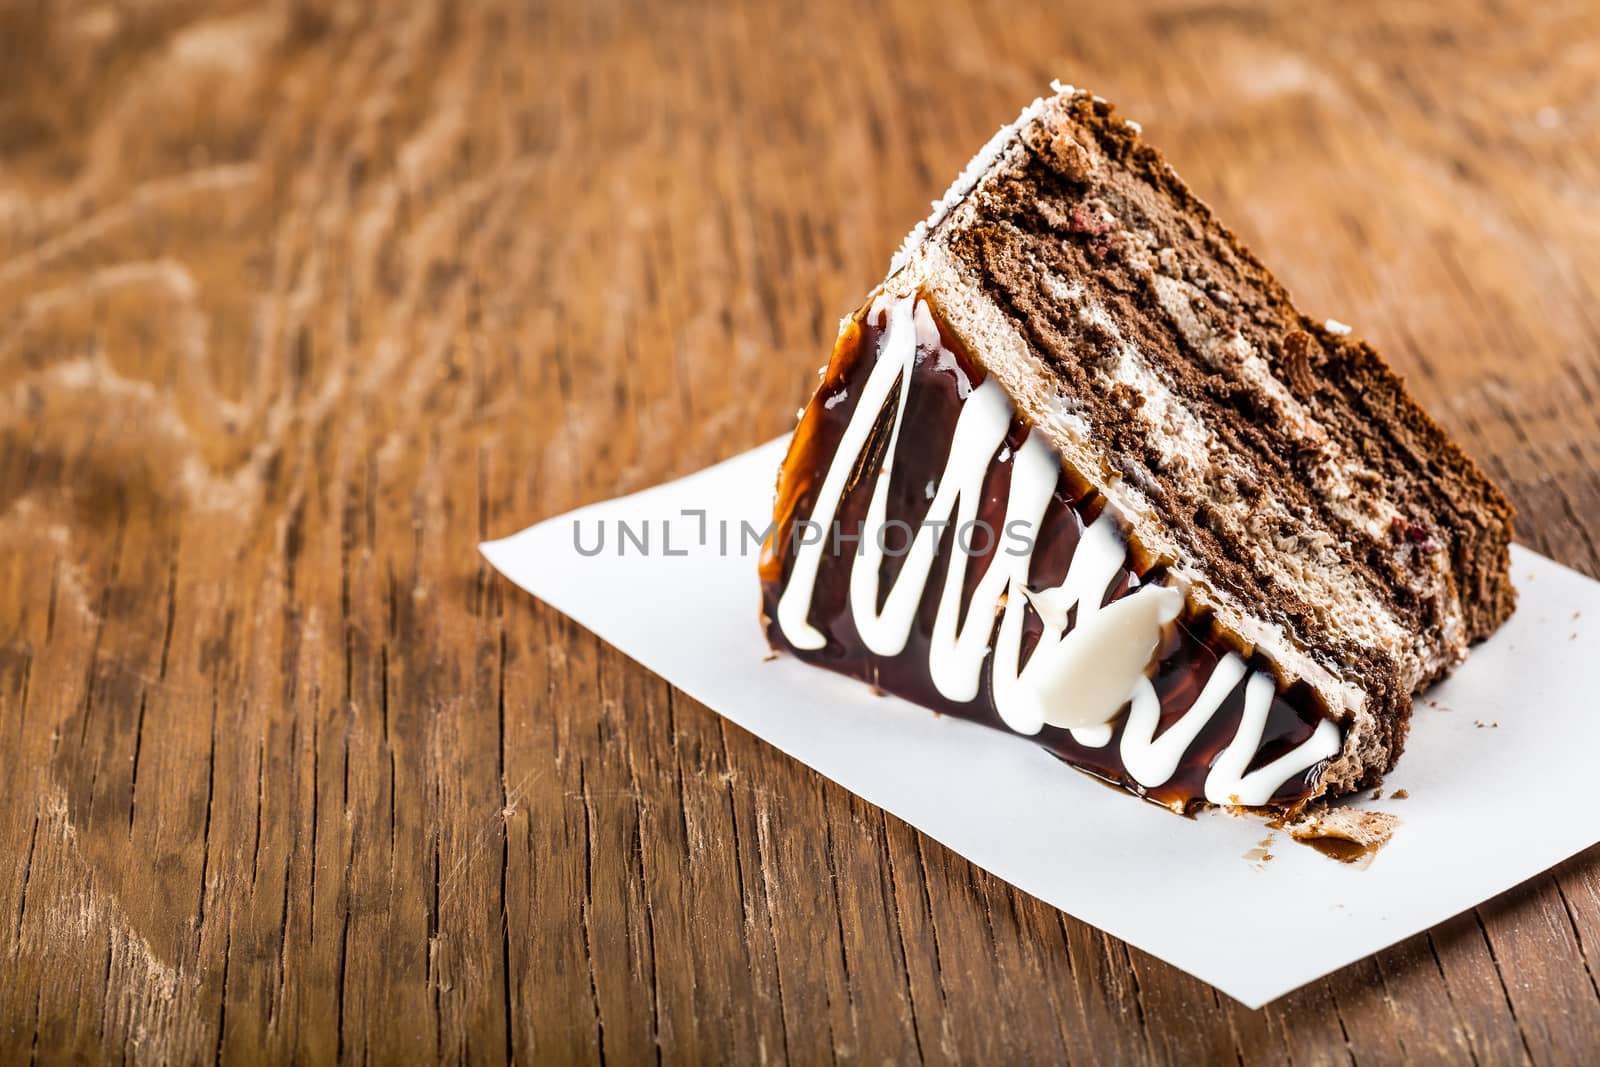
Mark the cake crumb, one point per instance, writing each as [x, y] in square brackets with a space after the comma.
[769, 657]
[1377, 794]
[1261, 853]
[1399, 794]
[1480, 724]
[1297, 363]
[1344, 834]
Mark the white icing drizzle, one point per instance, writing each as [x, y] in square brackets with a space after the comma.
[1229, 784]
[1152, 759]
[1076, 678]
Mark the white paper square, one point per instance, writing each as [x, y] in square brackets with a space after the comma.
[1501, 784]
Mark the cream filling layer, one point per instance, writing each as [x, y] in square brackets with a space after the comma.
[1362, 510]
[1078, 677]
[1183, 440]
[1176, 299]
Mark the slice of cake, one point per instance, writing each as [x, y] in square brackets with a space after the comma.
[1080, 469]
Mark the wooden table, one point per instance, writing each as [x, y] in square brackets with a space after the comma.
[298, 303]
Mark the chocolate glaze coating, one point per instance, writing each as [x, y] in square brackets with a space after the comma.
[941, 381]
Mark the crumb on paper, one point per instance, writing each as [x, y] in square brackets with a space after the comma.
[1261, 853]
[769, 657]
[1399, 794]
[1345, 834]
[1480, 724]
[1377, 794]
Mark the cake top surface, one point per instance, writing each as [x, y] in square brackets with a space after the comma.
[972, 173]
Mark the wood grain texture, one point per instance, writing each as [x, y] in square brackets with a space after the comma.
[298, 302]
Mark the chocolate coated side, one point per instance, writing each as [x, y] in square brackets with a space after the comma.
[940, 383]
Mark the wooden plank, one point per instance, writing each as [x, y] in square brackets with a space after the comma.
[299, 301]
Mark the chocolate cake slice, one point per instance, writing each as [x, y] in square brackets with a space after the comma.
[1080, 469]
